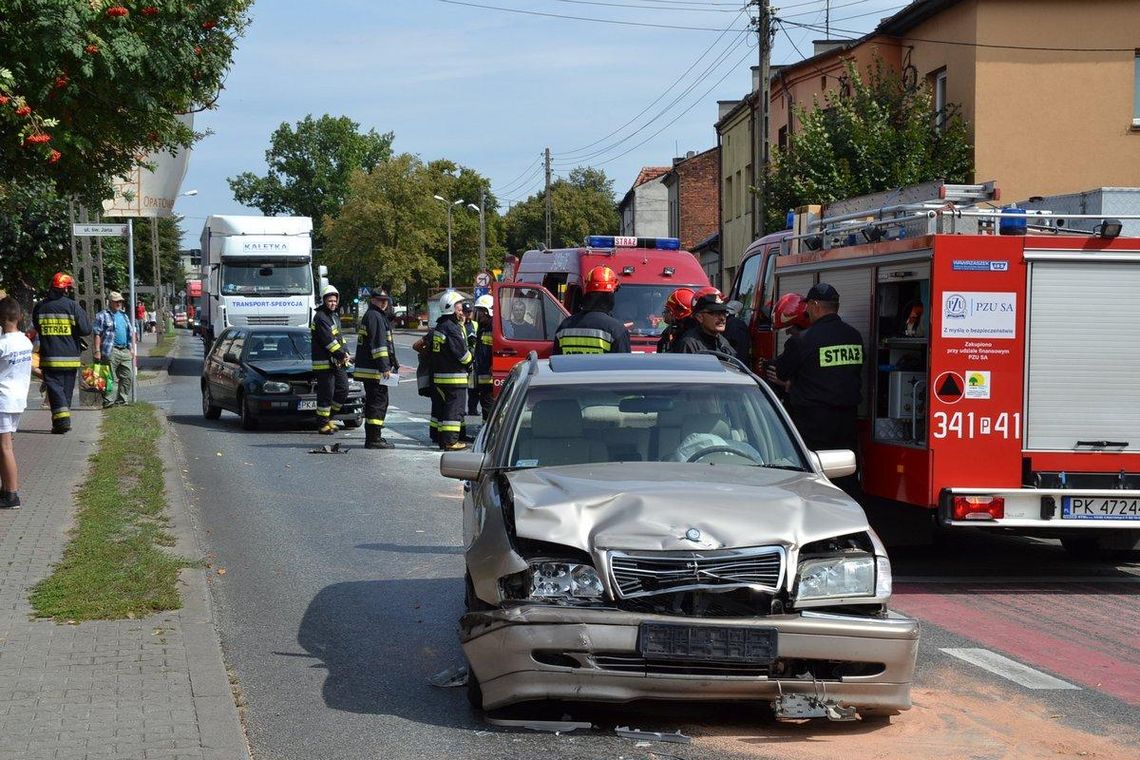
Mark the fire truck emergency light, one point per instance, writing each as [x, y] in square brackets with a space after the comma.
[978, 507]
[623, 241]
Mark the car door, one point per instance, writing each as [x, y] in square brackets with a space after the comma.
[212, 371]
[526, 318]
[230, 373]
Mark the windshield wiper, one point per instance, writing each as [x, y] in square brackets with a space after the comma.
[791, 467]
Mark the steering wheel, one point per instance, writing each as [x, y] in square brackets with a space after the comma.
[719, 449]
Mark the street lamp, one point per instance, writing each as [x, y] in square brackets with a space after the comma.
[450, 205]
[482, 233]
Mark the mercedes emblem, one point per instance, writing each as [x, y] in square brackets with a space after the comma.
[693, 534]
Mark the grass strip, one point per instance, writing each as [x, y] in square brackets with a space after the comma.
[114, 565]
[163, 347]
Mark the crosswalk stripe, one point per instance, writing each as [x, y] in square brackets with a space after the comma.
[1009, 669]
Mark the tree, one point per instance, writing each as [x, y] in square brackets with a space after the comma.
[86, 86]
[455, 182]
[310, 167]
[876, 136]
[388, 227]
[581, 204]
[34, 236]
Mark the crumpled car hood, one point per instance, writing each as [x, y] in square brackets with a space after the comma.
[651, 506]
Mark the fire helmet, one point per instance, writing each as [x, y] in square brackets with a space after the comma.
[601, 280]
[790, 311]
[62, 281]
[448, 300]
[707, 290]
[679, 304]
[329, 290]
[485, 302]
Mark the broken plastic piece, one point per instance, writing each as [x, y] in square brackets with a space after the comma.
[654, 736]
[800, 706]
[550, 726]
[326, 449]
[456, 675]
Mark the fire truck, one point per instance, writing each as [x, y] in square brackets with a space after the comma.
[546, 286]
[1001, 387]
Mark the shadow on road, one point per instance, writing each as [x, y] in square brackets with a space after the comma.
[183, 367]
[411, 548]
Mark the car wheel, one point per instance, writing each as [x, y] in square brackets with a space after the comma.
[248, 421]
[353, 423]
[209, 410]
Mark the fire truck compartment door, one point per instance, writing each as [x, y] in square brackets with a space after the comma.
[1083, 362]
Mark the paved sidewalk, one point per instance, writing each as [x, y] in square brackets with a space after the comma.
[149, 688]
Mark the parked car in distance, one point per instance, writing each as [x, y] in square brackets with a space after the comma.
[179, 317]
[652, 527]
[263, 373]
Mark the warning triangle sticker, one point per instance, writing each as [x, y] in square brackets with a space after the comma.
[949, 389]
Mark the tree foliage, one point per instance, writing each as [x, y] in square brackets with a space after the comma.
[454, 182]
[581, 204]
[388, 227]
[874, 136]
[34, 236]
[86, 86]
[310, 166]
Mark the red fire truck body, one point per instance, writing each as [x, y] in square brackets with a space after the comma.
[1002, 376]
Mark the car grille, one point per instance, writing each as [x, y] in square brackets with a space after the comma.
[261, 319]
[646, 573]
[302, 387]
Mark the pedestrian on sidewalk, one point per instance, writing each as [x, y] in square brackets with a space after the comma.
[115, 345]
[140, 317]
[60, 323]
[15, 380]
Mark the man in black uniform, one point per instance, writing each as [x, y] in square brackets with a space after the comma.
[710, 313]
[60, 323]
[592, 330]
[736, 333]
[484, 381]
[824, 369]
[329, 360]
[450, 361]
[375, 362]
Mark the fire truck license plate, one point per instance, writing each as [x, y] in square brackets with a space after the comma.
[1099, 508]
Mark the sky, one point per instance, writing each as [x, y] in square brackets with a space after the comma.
[491, 89]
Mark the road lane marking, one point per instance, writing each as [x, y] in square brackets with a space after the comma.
[1009, 669]
[990, 580]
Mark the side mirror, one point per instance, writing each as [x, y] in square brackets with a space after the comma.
[836, 463]
[461, 465]
[230, 358]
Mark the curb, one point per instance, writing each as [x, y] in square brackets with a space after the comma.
[221, 733]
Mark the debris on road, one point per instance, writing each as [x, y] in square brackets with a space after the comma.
[637, 734]
[456, 675]
[801, 706]
[549, 726]
[326, 449]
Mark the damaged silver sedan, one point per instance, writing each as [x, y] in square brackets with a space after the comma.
[652, 527]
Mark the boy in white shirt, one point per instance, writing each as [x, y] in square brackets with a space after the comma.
[15, 380]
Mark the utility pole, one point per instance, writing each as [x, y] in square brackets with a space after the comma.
[482, 231]
[764, 34]
[548, 213]
[160, 320]
[827, 20]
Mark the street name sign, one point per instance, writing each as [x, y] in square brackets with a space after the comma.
[99, 230]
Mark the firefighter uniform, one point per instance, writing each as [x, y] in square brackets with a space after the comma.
[696, 341]
[375, 356]
[824, 365]
[329, 360]
[484, 380]
[471, 330]
[60, 323]
[591, 332]
[450, 362]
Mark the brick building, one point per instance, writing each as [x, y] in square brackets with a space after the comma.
[694, 199]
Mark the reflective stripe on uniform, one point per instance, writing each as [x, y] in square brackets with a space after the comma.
[59, 362]
[377, 353]
[841, 356]
[449, 378]
[364, 373]
[450, 426]
[321, 366]
[323, 411]
[488, 339]
[60, 414]
[485, 380]
[466, 358]
[335, 406]
[374, 422]
[333, 347]
[433, 424]
[56, 324]
[584, 340]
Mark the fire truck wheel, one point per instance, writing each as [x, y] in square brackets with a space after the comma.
[1083, 548]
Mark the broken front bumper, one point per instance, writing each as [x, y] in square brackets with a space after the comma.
[539, 652]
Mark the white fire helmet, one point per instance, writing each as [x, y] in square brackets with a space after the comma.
[486, 302]
[448, 300]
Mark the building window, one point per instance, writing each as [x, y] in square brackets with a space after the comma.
[729, 208]
[939, 86]
[1136, 91]
[739, 194]
[782, 138]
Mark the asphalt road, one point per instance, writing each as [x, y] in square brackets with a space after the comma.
[338, 587]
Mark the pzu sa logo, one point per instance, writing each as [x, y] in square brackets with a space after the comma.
[955, 306]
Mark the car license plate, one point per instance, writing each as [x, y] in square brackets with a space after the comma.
[668, 641]
[1099, 508]
[307, 405]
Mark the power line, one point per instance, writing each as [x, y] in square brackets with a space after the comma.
[514, 188]
[687, 28]
[647, 7]
[509, 186]
[656, 100]
[958, 43]
[701, 78]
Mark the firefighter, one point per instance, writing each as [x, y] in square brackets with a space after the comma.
[471, 330]
[710, 312]
[678, 308]
[790, 314]
[375, 361]
[824, 369]
[737, 334]
[329, 360]
[60, 323]
[450, 362]
[484, 381]
[592, 330]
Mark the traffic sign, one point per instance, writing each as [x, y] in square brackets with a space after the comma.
[483, 280]
[481, 292]
[99, 230]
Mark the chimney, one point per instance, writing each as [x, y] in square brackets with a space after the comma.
[755, 79]
[825, 46]
[724, 106]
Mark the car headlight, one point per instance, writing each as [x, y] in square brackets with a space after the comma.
[836, 577]
[274, 386]
[564, 580]
[355, 385]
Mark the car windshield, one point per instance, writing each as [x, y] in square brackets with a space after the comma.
[597, 423]
[641, 306]
[266, 279]
[278, 346]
